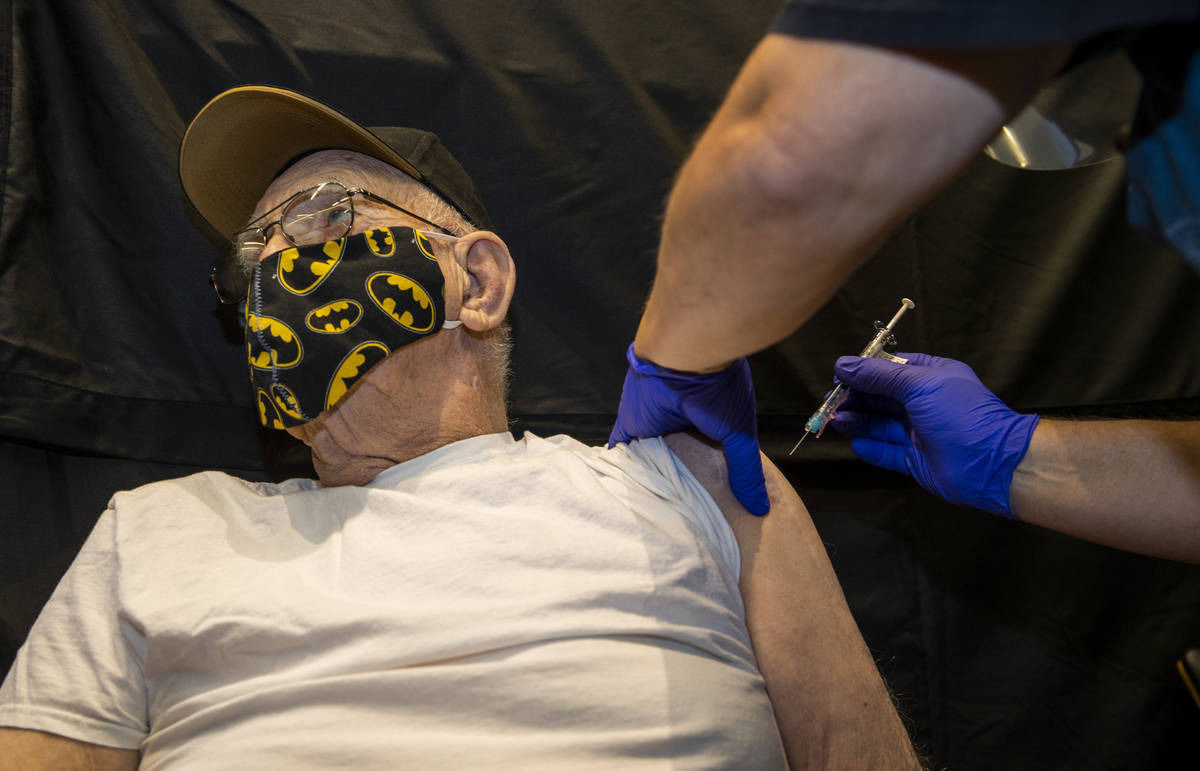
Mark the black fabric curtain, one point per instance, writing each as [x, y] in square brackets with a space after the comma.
[1007, 646]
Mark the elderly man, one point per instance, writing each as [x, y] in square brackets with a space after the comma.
[446, 596]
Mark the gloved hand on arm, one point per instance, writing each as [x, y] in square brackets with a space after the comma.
[656, 401]
[935, 421]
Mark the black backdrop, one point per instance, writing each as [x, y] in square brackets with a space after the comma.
[1008, 647]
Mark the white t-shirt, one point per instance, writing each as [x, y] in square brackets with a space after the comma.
[494, 603]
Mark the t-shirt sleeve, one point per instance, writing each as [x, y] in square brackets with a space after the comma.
[700, 509]
[79, 673]
[970, 23]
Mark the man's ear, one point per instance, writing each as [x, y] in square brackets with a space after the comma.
[492, 277]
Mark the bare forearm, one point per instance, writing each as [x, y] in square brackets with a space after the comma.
[1130, 484]
[819, 150]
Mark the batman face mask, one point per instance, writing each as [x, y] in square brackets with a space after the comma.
[319, 317]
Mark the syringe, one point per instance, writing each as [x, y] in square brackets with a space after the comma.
[883, 336]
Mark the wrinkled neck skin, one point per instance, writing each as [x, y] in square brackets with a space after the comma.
[424, 396]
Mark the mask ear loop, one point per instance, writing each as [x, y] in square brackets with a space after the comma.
[449, 240]
[256, 304]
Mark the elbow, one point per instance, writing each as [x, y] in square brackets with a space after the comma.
[779, 168]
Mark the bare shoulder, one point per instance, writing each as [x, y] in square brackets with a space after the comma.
[830, 703]
[770, 545]
[704, 459]
[25, 750]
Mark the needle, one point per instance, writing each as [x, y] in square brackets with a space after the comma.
[883, 336]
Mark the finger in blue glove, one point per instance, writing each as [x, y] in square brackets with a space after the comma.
[656, 401]
[955, 437]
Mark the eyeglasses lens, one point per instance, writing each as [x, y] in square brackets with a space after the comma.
[325, 214]
[231, 275]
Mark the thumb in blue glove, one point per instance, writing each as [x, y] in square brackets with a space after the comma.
[656, 401]
[935, 421]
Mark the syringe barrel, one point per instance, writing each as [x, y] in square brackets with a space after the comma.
[881, 337]
[876, 344]
[816, 424]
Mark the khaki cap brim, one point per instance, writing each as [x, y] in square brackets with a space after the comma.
[238, 143]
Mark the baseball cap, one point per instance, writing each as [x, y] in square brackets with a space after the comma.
[244, 137]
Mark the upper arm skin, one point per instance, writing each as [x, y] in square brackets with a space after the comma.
[819, 151]
[23, 750]
[831, 705]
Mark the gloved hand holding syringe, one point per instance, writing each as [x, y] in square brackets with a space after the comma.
[816, 424]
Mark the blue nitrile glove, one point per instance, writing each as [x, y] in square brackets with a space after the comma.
[656, 401]
[935, 421]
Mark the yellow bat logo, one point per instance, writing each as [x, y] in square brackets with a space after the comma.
[335, 317]
[285, 400]
[356, 364]
[285, 350]
[381, 242]
[299, 280]
[403, 299]
[424, 245]
[267, 414]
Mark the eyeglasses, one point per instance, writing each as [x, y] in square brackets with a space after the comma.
[312, 216]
